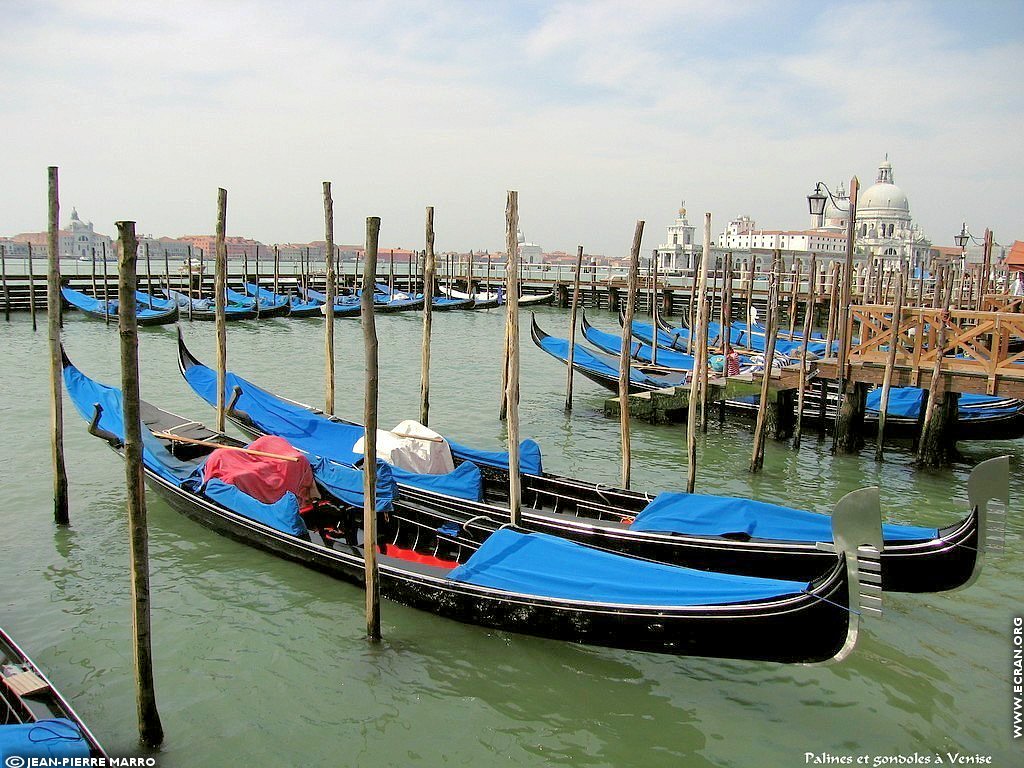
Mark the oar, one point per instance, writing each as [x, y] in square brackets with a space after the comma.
[418, 437]
[190, 441]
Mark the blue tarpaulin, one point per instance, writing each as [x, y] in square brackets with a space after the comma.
[700, 515]
[54, 738]
[282, 515]
[318, 435]
[538, 564]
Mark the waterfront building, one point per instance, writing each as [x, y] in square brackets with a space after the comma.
[77, 241]
[679, 251]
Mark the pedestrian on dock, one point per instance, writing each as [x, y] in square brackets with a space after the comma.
[1018, 285]
[732, 363]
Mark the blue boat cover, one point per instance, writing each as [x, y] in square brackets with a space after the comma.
[317, 435]
[142, 303]
[701, 515]
[530, 461]
[906, 402]
[612, 344]
[346, 483]
[296, 302]
[54, 738]
[343, 482]
[539, 564]
[283, 515]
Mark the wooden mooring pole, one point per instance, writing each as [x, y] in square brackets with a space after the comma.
[368, 273]
[53, 302]
[106, 288]
[512, 355]
[31, 289]
[699, 327]
[771, 327]
[812, 285]
[219, 299]
[428, 293]
[3, 277]
[890, 360]
[151, 732]
[624, 367]
[936, 448]
[369, 419]
[149, 276]
[572, 328]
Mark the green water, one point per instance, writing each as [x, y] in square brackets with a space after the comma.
[262, 662]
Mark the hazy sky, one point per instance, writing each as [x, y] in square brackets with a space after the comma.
[598, 113]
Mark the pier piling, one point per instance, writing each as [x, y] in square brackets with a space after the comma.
[369, 412]
[512, 354]
[329, 293]
[219, 299]
[151, 731]
[624, 348]
[53, 303]
[428, 294]
[572, 328]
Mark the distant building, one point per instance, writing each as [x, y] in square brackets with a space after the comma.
[679, 250]
[78, 241]
[529, 253]
[884, 226]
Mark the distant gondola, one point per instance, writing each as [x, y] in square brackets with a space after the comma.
[298, 307]
[278, 306]
[464, 567]
[603, 368]
[205, 309]
[35, 720]
[711, 532]
[150, 310]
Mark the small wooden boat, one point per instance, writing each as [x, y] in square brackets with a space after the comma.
[709, 532]
[472, 569]
[478, 299]
[35, 720]
[205, 309]
[150, 310]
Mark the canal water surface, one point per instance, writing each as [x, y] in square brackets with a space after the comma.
[262, 662]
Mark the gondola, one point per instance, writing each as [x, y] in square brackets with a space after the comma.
[750, 337]
[298, 307]
[979, 417]
[603, 368]
[35, 720]
[478, 299]
[150, 310]
[471, 569]
[344, 306]
[278, 306]
[709, 532]
[447, 304]
[536, 300]
[644, 354]
[205, 309]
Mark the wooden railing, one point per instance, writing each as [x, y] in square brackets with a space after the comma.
[976, 343]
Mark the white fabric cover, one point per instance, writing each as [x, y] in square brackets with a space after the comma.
[413, 447]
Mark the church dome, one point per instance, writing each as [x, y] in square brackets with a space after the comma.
[884, 195]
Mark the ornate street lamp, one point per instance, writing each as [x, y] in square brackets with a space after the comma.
[816, 204]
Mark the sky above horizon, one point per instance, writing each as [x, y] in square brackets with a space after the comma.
[598, 113]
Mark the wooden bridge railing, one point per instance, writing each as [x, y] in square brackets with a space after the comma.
[977, 343]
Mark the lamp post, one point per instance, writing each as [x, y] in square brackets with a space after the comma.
[961, 239]
[816, 204]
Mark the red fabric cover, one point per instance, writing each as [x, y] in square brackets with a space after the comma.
[261, 477]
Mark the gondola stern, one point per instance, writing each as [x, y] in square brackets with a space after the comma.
[857, 533]
[989, 481]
